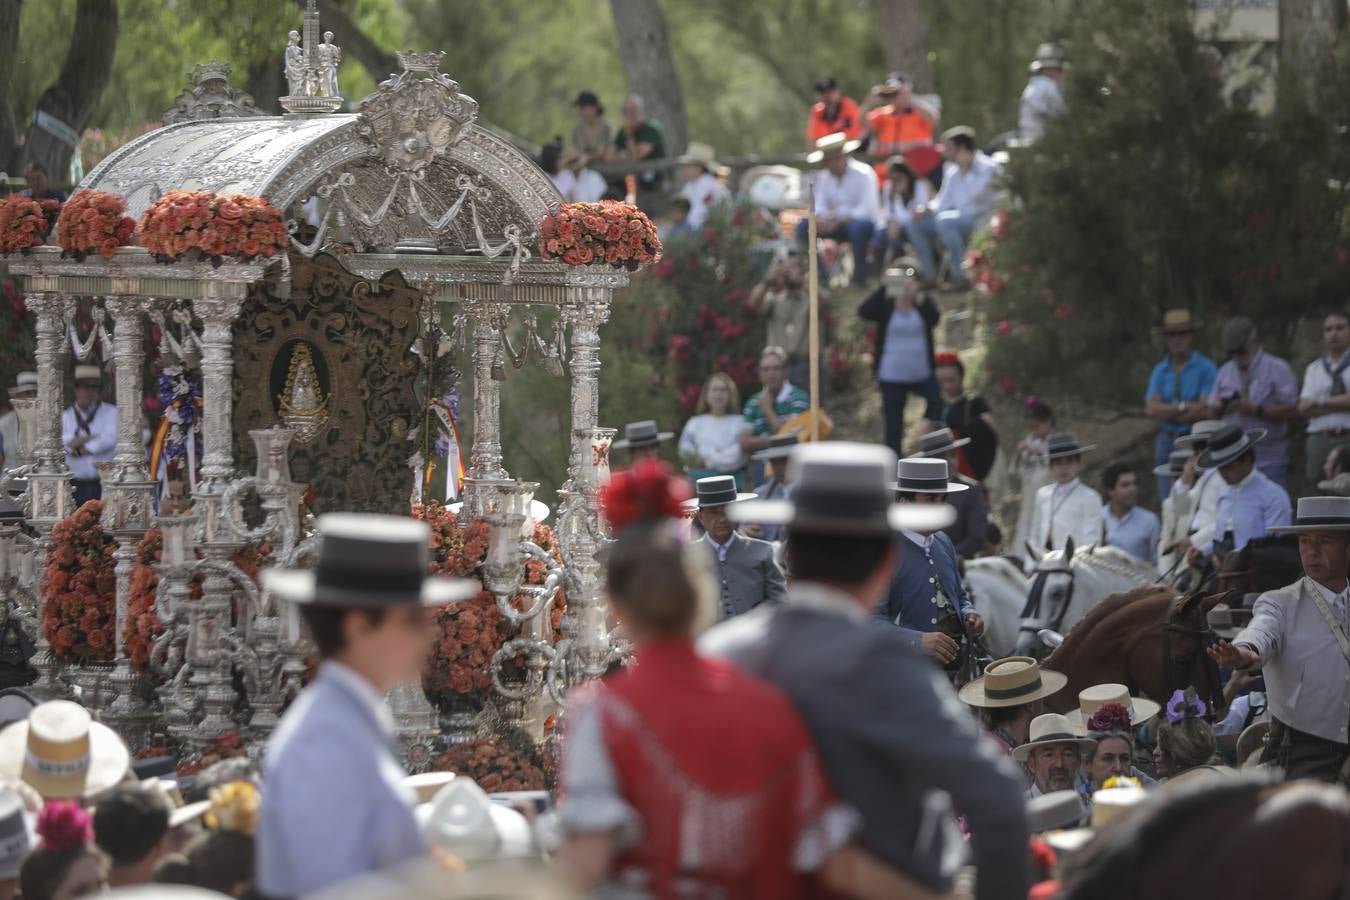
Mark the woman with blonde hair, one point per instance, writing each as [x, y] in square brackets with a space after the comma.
[711, 441]
[1186, 741]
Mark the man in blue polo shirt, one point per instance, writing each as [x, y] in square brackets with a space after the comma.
[1178, 387]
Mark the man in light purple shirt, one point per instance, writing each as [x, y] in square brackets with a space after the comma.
[1256, 390]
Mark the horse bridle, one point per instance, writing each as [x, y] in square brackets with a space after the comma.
[1206, 636]
[1032, 610]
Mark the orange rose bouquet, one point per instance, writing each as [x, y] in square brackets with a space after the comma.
[79, 617]
[93, 222]
[238, 226]
[510, 762]
[23, 224]
[604, 233]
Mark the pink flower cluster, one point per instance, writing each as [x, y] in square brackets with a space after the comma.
[604, 233]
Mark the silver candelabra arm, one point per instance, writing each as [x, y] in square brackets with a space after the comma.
[242, 582]
[535, 671]
[280, 523]
[543, 594]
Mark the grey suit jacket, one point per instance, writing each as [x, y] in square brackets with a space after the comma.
[891, 733]
[749, 576]
[335, 806]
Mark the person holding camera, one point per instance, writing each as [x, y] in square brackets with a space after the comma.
[1256, 390]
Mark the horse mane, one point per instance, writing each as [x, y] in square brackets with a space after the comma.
[1107, 607]
[1111, 868]
[1117, 562]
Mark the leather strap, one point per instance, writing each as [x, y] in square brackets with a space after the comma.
[1337, 630]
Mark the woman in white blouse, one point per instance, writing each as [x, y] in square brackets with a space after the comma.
[711, 441]
[903, 194]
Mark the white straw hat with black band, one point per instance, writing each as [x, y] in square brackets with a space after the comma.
[1050, 729]
[1012, 681]
[1063, 444]
[641, 434]
[922, 475]
[1227, 444]
[369, 561]
[716, 490]
[843, 489]
[939, 443]
[62, 753]
[1318, 514]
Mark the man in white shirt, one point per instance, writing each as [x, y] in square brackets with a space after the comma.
[1324, 400]
[964, 202]
[1042, 98]
[579, 184]
[89, 433]
[25, 388]
[1297, 636]
[701, 187]
[1066, 508]
[847, 198]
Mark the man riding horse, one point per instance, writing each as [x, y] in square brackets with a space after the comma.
[1298, 635]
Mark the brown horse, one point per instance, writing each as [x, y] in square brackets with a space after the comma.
[1235, 838]
[1150, 639]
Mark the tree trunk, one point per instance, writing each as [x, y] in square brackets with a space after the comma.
[644, 46]
[904, 40]
[71, 100]
[355, 43]
[1308, 33]
[10, 12]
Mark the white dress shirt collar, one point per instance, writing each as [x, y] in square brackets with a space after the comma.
[821, 598]
[925, 541]
[364, 692]
[722, 549]
[1063, 490]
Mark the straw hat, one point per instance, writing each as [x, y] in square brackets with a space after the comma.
[62, 752]
[24, 383]
[1108, 805]
[699, 154]
[830, 146]
[91, 375]
[1177, 321]
[1055, 810]
[1012, 681]
[1091, 699]
[1048, 730]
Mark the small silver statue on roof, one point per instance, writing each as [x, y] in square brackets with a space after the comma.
[311, 68]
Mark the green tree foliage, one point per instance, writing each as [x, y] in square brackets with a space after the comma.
[1153, 194]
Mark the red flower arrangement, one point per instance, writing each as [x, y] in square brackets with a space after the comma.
[93, 222]
[64, 826]
[604, 233]
[142, 624]
[79, 616]
[499, 763]
[237, 226]
[23, 224]
[457, 674]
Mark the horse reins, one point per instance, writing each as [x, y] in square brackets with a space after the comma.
[1205, 636]
[1032, 610]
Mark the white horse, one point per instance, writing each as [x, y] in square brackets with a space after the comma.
[1059, 595]
[998, 589]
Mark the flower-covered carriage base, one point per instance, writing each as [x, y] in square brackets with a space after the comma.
[148, 602]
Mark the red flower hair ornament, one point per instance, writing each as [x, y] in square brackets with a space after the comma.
[1110, 717]
[647, 492]
[63, 825]
[946, 358]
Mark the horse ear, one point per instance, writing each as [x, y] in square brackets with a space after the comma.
[1068, 548]
[1035, 554]
[1189, 605]
[1214, 600]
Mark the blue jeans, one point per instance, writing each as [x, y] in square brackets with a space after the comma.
[952, 228]
[882, 241]
[893, 397]
[858, 232]
[1162, 452]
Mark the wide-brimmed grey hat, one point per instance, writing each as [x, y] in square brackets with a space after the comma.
[1175, 466]
[1065, 443]
[780, 447]
[1221, 622]
[939, 443]
[1318, 514]
[369, 561]
[641, 434]
[1227, 444]
[1340, 485]
[716, 490]
[924, 475]
[1054, 811]
[1048, 56]
[843, 489]
[1198, 438]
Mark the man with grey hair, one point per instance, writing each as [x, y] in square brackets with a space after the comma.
[640, 139]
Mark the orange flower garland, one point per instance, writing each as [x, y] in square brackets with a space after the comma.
[79, 616]
[237, 226]
[93, 222]
[604, 233]
[23, 224]
[499, 763]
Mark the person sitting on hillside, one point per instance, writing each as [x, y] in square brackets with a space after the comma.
[701, 187]
[903, 194]
[677, 219]
[846, 199]
[833, 113]
[640, 139]
[969, 191]
[711, 441]
[782, 298]
[592, 133]
[904, 126]
[775, 402]
[579, 184]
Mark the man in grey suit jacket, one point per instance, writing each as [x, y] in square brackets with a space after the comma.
[335, 805]
[895, 740]
[1298, 635]
[746, 568]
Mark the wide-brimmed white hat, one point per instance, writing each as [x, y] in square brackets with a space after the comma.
[1012, 681]
[87, 374]
[62, 752]
[699, 154]
[1049, 729]
[1091, 699]
[463, 820]
[369, 561]
[832, 145]
[1318, 514]
[24, 383]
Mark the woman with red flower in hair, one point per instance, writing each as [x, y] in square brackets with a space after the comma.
[66, 864]
[1110, 716]
[682, 776]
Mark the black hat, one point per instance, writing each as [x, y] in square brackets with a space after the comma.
[641, 434]
[1065, 443]
[843, 489]
[368, 561]
[588, 98]
[1227, 444]
[716, 490]
[780, 447]
[825, 84]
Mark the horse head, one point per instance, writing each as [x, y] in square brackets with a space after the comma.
[1186, 635]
